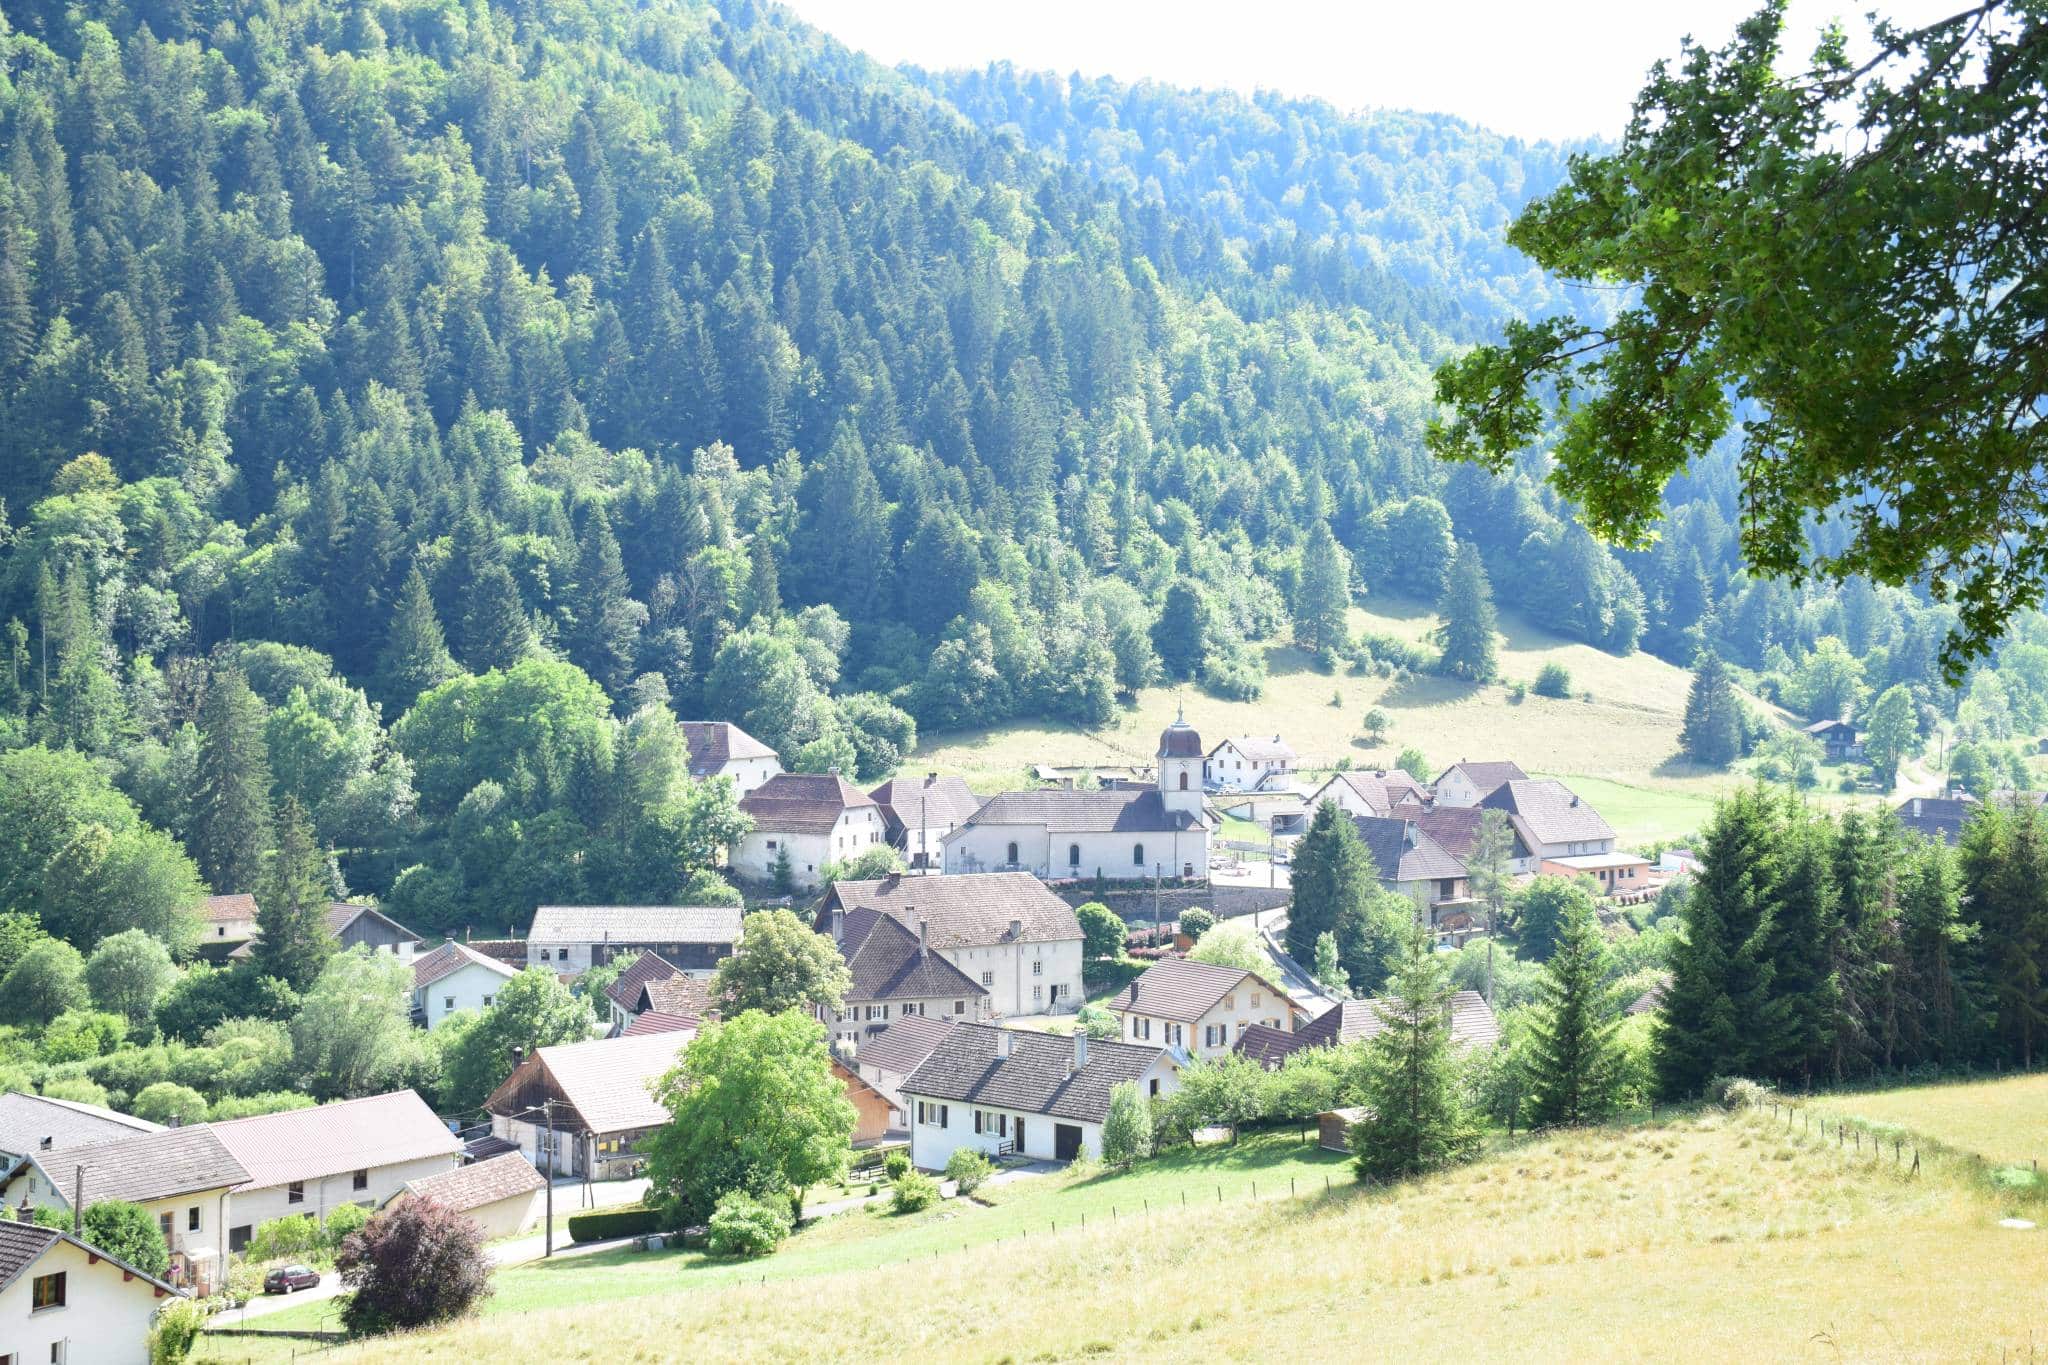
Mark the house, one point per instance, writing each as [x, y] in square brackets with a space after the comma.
[1369, 792]
[1416, 866]
[62, 1300]
[1838, 738]
[681, 1000]
[886, 1059]
[181, 1176]
[871, 1109]
[357, 925]
[503, 1193]
[622, 997]
[721, 749]
[598, 1097]
[39, 1123]
[1467, 784]
[1197, 1008]
[1619, 874]
[309, 1161]
[918, 815]
[896, 973]
[1016, 1091]
[1455, 829]
[1130, 834]
[803, 821]
[1473, 1024]
[227, 922]
[454, 977]
[569, 940]
[1551, 819]
[1937, 817]
[1003, 929]
[1246, 762]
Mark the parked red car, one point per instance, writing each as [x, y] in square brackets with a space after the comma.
[286, 1278]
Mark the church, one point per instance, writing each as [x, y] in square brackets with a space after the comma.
[1121, 835]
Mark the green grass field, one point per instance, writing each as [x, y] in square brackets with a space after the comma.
[2003, 1121]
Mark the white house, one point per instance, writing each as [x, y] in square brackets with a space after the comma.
[1249, 761]
[229, 922]
[64, 1301]
[1467, 784]
[721, 749]
[1009, 1091]
[1373, 791]
[896, 974]
[504, 1194]
[1551, 819]
[885, 1059]
[1118, 834]
[920, 813]
[1019, 941]
[807, 820]
[31, 1123]
[310, 1161]
[1199, 1009]
[455, 977]
[569, 940]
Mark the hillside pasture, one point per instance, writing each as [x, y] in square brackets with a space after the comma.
[2005, 1121]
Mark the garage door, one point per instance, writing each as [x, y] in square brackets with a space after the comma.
[1066, 1141]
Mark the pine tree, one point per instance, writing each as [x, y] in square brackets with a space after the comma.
[1181, 634]
[1804, 1018]
[1573, 1059]
[1935, 940]
[1469, 623]
[1332, 873]
[763, 601]
[495, 630]
[231, 819]
[1712, 733]
[2004, 857]
[415, 653]
[1417, 1120]
[604, 622]
[294, 942]
[1322, 598]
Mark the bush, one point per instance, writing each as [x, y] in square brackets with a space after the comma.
[1517, 690]
[245, 1279]
[177, 1328]
[1127, 1131]
[416, 1263]
[914, 1190]
[1097, 1022]
[1195, 922]
[967, 1168]
[282, 1239]
[1737, 1092]
[1554, 680]
[127, 1232]
[626, 1220]
[743, 1225]
[342, 1221]
[169, 1103]
[265, 1102]
[77, 1089]
[896, 1165]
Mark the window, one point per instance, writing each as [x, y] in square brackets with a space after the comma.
[295, 1193]
[1155, 1087]
[1138, 855]
[362, 1181]
[771, 845]
[1038, 966]
[192, 1219]
[448, 1002]
[1255, 999]
[1073, 855]
[1173, 1035]
[959, 1007]
[164, 1223]
[48, 1292]
[1183, 781]
[487, 1002]
[988, 978]
[238, 1238]
[1038, 992]
[1230, 1001]
[1141, 1028]
[1013, 853]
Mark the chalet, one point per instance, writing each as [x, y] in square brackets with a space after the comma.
[1467, 784]
[1938, 817]
[63, 1300]
[1246, 762]
[1415, 865]
[1473, 1024]
[182, 1177]
[1619, 874]
[39, 1123]
[571, 939]
[503, 1193]
[803, 821]
[310, 1161]
[1132, 834]
[597, 1096]
[1199, 1009]
[1009, 1091]
[1369, 792]
[720, 749]
[1455, 829]
[919, 814]
[886, 1059]
[624, 995]
[896, 973]
[357, 926]
[1838, 738]
[452, 978]
[1551, 818]
[1004, 930]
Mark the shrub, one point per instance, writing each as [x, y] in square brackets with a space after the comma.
[177, 1328]
[1195, 922]
[77, 1089]
[418, 1262]
[1127, 1131]
[245, 1279]
[1517, 690]
[1553, 680]
[167, 1102]
[1097, 1022]
[265, 1102]
[625, 1220]
[127, 1232]
[342, 1221]
[283, 1239]
[967, 1168]
[896, 1165]
[1737, 1092]
[914, 1190]
[743, 1225]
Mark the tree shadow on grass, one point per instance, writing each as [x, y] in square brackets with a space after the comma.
[1423, 690]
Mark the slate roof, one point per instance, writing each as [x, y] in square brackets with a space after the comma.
[1038, 1077]
[802, 803]
[904, 1044]
[1081, 812]
[1262, 748]
[1183, 989]
[1472, 1021]
[1456, 830]
[348, 1135]
[1380, 789]
[450, 958]
[23, 1244]
[625, 991]
[607, 1081]
[1553, 811]
[926, 802]
[1821, 727]
[624, 924]
[964, 910]
[715, 743]
[680, 994]
[341, 914]
[889, 963]
[222, 909]
[142, 1167]
[1266, 1045]
[25, 1120]
[1485, 776]
[1937, 817]
[1402, 852]
[480, 1183]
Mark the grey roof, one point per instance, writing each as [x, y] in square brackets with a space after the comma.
[1038, 1077]
[966, 910]
[715, 743]
[802, 803]
[654, 1021]
[926, 802]
[23, 1244]
[1456, 830]
[142, 1166]
[889, 963]
[1553, 811]
[1266, 1045]
[1402, 852]
[607, 1082]
[480, 1183]
[1139, 811]
[347, 1135]
[450, 958]
[25, 1120]
[649, 966]
[682, 994]
[905, 1043]
[1181, 988]
[1486, 776]
[635, 924]
[1938, 817]
[341, 914]
[1650, 1000]
[1472, 1021]
[1821, 727]
[1264, 748]
[1179, 740]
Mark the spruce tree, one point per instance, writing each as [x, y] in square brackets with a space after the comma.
[1469, 623]
[293, 942]
[231, 819]
[1332, 873]
[1322, 598]
[1573, 1059]
[1936, 943]
[1181, 634]
[1416, 1119]
[1712, 733]
[496, 633]
[2004, 857]
[604, 622]
[1804, 1017]
[415, 653]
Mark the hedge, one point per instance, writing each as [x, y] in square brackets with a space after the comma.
[626, 1220]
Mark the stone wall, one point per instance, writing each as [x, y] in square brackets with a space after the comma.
[1136, 904]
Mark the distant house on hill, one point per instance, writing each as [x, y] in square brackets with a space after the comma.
[1249, 761]
[1467, 784]
[1838, 738]
[356, 926]
[920, 812]
[230, 922]
[721, 749]
[809, 820]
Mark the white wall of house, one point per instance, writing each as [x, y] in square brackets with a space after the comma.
[105, 1319]
[507, 1216]
[748, 773]
[229, 930]
[469, 987]
[1348, 800]
[988, 848]
[853, 833]
[251, 1209]
[1025, 978]
[868, 1017]
[195, 1224]
[938, 1128]
[1217, 1031]
[1228, 763]
[1456, 789]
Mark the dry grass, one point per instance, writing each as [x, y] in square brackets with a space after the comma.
[1710, 1238]
[2003, 1121]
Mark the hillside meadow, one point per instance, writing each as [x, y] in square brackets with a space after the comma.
[2004, 1121]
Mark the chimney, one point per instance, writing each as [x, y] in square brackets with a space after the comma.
[924, 936]
[1003, 1037]
[518, 1057]
[46, 1143]
[930, 778]
[1080, 1047]
[1575, 800]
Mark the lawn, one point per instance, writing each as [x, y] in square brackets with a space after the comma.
[1721, 1237]
[2003, 1121]
[1642, 815]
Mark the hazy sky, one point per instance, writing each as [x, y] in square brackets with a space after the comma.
[1535, 68]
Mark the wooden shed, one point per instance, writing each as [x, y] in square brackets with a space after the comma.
[1334, 1128]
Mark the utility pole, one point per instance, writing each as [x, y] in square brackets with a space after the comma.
[547, 1112]
[1158, 924]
